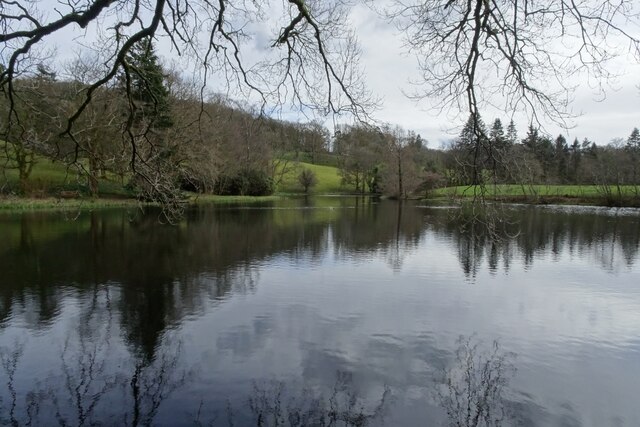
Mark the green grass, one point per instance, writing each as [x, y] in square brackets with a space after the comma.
[48, 178]
[329, 180]
[515, 190]
[49, 203]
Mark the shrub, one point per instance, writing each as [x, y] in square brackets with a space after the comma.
[248, 182]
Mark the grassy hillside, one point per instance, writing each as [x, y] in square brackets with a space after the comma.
[329, 180]
[49, 178]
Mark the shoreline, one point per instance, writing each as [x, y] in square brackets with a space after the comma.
[22, 204]
[597, 201]
[18, 204]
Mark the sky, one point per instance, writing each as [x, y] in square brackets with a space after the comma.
[388, 69]
[389, 72]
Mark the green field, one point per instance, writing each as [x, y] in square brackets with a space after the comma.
[48, 178]
[51, 203]
[329, 180]
[532, 191]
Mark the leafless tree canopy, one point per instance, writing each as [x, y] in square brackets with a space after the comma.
[512, 54]
[295, 52]
[515, 54]
[312, 60]
[524, 52]
[315, 49]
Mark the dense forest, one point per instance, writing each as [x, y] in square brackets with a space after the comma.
[171, 136]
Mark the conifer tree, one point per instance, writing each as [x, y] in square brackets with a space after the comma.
[474, 150]
[633, 142]
[512, 133]
[148, 90]
[498, 138]
[561, 157]
[633, 148]
[532, 139]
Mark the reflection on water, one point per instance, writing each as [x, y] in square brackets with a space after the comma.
[333, 311]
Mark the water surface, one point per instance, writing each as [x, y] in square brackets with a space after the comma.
[114, 318]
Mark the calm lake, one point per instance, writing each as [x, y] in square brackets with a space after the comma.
[327, 310]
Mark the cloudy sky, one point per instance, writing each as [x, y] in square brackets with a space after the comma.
[388, 70]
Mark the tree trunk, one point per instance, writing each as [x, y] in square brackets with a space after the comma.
[93, 171]
[400, 186]
[93, 176]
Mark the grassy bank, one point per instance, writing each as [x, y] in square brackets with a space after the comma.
[627, 195]
[18, 204]
[51, 203]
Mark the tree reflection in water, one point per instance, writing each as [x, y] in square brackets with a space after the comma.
[472, 390]
[91, 392]
[93, 385]
[134, 282]
[276, 403]
[186, 266]
[610, 236]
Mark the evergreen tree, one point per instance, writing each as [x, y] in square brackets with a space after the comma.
[575, 160]
[474, 150]
[159, 172]
[633, 148]
[512, 133]
[589, 147]
[532, 139]
[542, 148]
[562, 157]
[498, 139]
[633, 142]
[473, 131]
[499, 148]
[418, 142]
[148, 89]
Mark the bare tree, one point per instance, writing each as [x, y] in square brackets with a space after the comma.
[402, 174]
[474, 386]
[36, 127]
[360, 149]
[520, 52]
[517, 55]
[312, 60]
[307, 179]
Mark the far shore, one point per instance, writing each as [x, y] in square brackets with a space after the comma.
[18, 204]
[15, 203]
[626, 202]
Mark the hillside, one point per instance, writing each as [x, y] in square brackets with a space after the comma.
[49, 178]
[329, 180]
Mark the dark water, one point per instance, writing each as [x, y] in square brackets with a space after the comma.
[330, 310]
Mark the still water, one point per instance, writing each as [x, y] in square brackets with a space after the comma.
[329, 310]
